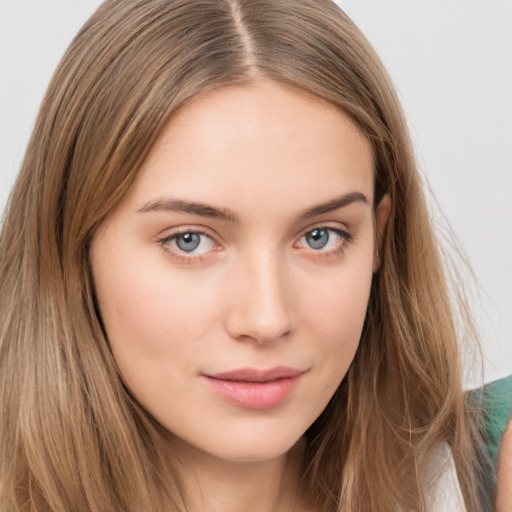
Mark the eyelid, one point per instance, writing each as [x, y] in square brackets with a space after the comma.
[341, 228]
[190, 228]
[327, 224]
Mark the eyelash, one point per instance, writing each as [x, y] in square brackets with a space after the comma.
[182, 257]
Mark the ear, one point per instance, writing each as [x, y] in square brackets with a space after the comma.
[382, 212]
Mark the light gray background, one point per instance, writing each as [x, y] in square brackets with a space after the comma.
[451, 61]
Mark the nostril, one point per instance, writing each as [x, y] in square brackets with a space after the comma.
[263, 326]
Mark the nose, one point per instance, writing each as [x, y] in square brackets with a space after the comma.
[262, 300]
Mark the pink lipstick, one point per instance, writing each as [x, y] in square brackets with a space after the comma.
[255, 389]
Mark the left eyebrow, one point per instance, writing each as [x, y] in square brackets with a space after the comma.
[334, 204]
[201, 209]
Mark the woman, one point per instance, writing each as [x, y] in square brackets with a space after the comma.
[221, 289]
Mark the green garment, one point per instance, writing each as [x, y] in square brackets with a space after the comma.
[497, 399]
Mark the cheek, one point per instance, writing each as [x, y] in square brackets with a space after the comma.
[336, 305]
[145, 315]
[159, 341]
[333, 316]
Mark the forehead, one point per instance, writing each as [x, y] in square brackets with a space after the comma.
[261, 144]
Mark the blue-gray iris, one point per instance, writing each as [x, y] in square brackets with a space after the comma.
[188, 241]
[318, 238]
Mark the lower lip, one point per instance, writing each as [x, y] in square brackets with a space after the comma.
[254, 395]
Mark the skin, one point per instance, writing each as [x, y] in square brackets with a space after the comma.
[504, 474]
[254, 293]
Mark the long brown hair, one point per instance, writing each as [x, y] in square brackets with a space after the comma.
[71, 435]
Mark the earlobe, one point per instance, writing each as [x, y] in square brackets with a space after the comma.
[382, 211]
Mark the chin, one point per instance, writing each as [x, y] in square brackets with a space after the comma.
[242, 447]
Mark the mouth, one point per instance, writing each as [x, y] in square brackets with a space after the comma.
[255, 389]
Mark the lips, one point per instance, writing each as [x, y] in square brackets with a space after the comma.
[255, 389]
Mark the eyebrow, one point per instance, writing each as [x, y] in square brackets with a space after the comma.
[205, 210]
[201, 209]
[334, 204]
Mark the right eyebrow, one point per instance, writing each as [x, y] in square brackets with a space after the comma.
[180, 205]
[334, 204]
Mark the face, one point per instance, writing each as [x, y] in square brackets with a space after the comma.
[233, 279]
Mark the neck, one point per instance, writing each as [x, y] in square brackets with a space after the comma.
[218, 485]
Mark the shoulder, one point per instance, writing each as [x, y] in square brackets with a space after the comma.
[501, 433]
[496, 399]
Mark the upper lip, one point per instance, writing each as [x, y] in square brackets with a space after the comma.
[257, 375]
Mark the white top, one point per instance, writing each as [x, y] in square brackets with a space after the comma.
[446, 495]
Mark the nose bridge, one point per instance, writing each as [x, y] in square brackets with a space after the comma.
[263, 309]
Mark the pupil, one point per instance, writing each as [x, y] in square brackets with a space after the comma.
[317, 238]
[188, 241]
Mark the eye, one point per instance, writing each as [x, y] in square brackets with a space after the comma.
[324, 239]
[190, 242]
